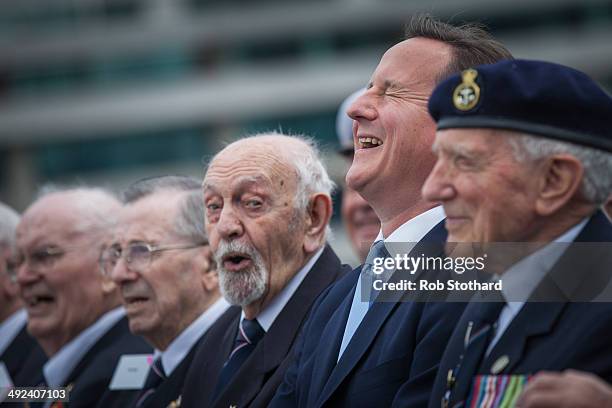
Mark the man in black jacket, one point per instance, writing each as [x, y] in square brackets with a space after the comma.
[15, 342]
[268, 205]
[161, 261]
[73, 310]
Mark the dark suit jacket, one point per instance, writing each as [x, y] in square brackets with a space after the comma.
[257, 380]
[167, 392]
[553, 335]
[15, 355]
[396, 342]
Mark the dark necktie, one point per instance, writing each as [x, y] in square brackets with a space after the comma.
[481, 317]
[249, 334]
[154, 379]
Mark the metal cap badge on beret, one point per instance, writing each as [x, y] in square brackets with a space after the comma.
[535, 97]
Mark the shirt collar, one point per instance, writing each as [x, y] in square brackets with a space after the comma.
[182, 344]
[412, 231]
[10, 327]
[521, 279]
[267, 316]
[61, 364]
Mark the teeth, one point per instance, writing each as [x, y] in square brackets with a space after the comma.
[370, 140]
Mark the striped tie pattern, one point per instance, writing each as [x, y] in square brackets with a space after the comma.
[249, 334]
[155, 377]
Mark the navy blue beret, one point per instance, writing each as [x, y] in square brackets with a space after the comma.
[534, 97]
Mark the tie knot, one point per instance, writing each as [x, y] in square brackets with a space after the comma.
[377, 250]
[250, 331]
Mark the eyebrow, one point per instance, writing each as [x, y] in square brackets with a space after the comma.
[240, 183]
[454, 150]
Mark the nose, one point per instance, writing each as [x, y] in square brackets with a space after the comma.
[25, 274]
[363, 107]
[229, 225]
[121, 273]
[438, 187]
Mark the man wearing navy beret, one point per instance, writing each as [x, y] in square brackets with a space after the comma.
[524, 155]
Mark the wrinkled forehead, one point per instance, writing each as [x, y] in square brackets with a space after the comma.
[244, 166]
[46, 223]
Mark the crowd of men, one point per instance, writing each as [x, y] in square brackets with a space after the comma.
[225, 291]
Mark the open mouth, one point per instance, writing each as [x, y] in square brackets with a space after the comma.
[135, 300]
[236, 261]
[34, 302]
[369, 142]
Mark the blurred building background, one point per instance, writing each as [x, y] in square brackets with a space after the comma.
[109, 91]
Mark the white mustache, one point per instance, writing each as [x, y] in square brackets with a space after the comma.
[233, 247]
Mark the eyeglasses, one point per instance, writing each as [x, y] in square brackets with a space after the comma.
[137, 257]
[40, 259]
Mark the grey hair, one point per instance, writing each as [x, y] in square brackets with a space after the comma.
[189, 222]
[597, 181]
[97, 205]
[9, 219]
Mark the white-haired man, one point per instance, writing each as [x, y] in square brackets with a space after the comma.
[161, 261]
[268, 205]
[15, 342]
[73, 310]
[531, 165]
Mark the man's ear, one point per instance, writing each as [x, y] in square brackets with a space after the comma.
[208, 269]
[561, 178]
[318, 215]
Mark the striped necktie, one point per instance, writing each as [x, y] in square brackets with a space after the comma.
[249, 334]
[155, 377]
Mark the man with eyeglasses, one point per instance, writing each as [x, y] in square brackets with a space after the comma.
[15, 342]
[73, 310]
[267, 205]
[161, 261]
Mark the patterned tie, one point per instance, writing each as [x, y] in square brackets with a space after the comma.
[378, 250]
[364, 291]
[154, 379]
[249, 334]
[482, 317]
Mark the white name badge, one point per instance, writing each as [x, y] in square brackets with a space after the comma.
[131, 372]
[6, 383]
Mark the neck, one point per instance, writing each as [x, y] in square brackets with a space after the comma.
[395, 219]
[161, 339]
[52, 344]
[252, 310]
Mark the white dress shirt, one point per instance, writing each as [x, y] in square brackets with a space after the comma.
[523, 278]
[408, 234]
[267, 316]
[182, 344]
[61, 364]
[11, 327]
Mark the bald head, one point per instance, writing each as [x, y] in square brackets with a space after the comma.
[59, 240]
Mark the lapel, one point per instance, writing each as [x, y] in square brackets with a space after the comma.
[113, 335]
[170, 388]
[213, 352]
[277, 342]
[539, 318]
[327, 351]
[534, 319]
[374, 319]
